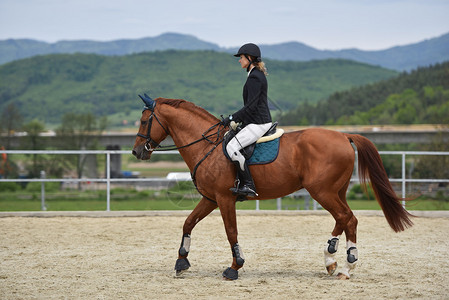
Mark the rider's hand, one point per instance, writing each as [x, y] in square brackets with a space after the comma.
[226, 121]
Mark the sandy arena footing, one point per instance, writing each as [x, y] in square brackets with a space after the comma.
[131, 255]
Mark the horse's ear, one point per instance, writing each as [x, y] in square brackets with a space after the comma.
[149, 103]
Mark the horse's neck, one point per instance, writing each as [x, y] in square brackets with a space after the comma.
[186, 127]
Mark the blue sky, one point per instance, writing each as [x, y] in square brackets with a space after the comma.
[323, 24]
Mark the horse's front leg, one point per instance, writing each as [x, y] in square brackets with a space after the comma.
[227, 208]
[202, 209]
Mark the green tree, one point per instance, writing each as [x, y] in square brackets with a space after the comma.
[33, 142]
[406, 114]
[421, 96]
[80, 132]
[11, 121]
[435, 166]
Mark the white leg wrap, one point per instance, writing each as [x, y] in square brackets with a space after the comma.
[241, 252]
[329, 258]
[186, 243]
[353, 256]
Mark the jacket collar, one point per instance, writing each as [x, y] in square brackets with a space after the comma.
[249, 72]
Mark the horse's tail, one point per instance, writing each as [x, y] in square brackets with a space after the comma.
[370, 165]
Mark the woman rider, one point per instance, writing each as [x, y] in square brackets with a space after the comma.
[254, 115]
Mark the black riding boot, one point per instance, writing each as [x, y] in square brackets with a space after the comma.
[246, 185]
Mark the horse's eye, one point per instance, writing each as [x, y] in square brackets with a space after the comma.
[143, 123]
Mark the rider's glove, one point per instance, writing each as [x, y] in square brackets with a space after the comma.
[226, 121]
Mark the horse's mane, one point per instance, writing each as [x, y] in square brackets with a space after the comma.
[199, 111]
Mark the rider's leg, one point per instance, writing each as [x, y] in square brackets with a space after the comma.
[233, 149]
[248, 135]
[246, 185]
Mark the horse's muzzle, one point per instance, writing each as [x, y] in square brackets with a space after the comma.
[140, 153]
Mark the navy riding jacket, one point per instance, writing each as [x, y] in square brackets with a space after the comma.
[255, 109]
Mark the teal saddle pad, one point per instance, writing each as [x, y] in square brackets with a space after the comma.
[265, 153]
[255, 154]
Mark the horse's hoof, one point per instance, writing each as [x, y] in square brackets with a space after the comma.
[182, 265]
[331, 268]
[180, 272]
[230, 274]
[342, 276]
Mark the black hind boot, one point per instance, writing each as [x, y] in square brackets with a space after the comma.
[245, 186]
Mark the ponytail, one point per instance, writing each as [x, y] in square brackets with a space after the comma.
[260, 65]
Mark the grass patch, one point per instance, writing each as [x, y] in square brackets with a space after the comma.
[180, 197]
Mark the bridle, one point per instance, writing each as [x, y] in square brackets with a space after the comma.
[151, 145]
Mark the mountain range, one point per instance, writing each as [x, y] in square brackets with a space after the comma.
[400, 58]
[48, 86]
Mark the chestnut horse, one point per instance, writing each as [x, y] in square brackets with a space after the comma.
[319, 160]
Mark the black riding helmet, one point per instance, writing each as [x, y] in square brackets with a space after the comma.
[249, 49]
[252, 50]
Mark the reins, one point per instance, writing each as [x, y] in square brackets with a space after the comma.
[151, 145]
[204, 137]
[193, 174]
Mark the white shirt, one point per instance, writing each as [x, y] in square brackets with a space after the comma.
[252, 67]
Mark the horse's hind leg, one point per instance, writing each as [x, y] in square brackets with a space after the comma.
[336, 204]
[202, 209]
[351, 239]
[351, 249]
[347, 222]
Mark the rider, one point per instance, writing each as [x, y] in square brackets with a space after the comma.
[254, 116]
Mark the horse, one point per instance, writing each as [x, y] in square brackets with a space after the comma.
[319, 160]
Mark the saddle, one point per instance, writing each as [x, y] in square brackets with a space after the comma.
[263, 151]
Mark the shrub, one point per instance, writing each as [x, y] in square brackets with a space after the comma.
[9, 187]
[49, 186]
[357, 192]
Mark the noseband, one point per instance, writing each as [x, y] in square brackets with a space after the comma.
[150, 144]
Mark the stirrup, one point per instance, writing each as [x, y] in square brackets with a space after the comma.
[244, 191]
[235, 188]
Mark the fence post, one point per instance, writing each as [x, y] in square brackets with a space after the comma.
[43, 207]
[306, 202]
[279, 204]
[403, 178]
[108, 181]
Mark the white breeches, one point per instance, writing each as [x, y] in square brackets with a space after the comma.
[248, 135]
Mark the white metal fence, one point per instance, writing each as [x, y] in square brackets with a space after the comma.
[108, 180]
